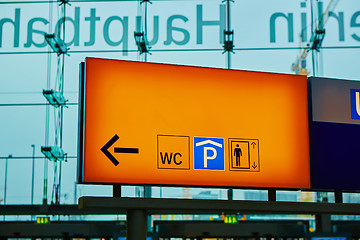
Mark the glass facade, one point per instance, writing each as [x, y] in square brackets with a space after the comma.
[266, 38]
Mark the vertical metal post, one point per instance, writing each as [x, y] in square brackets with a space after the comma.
[147, 189]
[32, 175]
[47, 115]
[148, 194]
[313, 19]
[58, 186]
[75, 193]
[58, 190]
[228, 29]
[5, 185]
[230, 193]
[338, 197]
[136, 221]
[33, 178]
[323, 223]
[271, 195]
[45, 181]
[6, 170]
[116, 190]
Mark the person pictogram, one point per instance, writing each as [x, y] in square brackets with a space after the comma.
[237, 154]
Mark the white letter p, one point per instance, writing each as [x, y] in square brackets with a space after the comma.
[206, 157]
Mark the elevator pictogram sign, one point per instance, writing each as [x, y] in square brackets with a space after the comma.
[244, 154]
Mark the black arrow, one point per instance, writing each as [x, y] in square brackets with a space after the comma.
[105, 150]
[254, 166]
[253, 144]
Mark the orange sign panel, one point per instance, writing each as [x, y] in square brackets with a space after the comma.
[147, 123]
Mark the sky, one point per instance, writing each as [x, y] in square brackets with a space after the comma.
[177, 39]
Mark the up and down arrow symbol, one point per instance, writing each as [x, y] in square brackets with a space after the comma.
[254, 165]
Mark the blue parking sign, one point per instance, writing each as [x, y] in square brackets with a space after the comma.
[209, 153]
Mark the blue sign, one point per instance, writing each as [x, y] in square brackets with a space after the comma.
[209, 153]
[335, 131]
[355, 103]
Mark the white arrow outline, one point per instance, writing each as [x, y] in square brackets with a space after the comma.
[210, 142]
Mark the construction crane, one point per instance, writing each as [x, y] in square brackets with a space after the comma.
[315, 42]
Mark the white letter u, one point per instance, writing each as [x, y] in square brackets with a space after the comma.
[357, 96]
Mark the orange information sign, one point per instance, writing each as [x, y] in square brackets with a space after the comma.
[158, 124]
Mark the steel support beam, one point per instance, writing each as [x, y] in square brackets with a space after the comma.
[197, 206]
[109, 205]
[242, 229]
[53, 210]
[66, 229]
